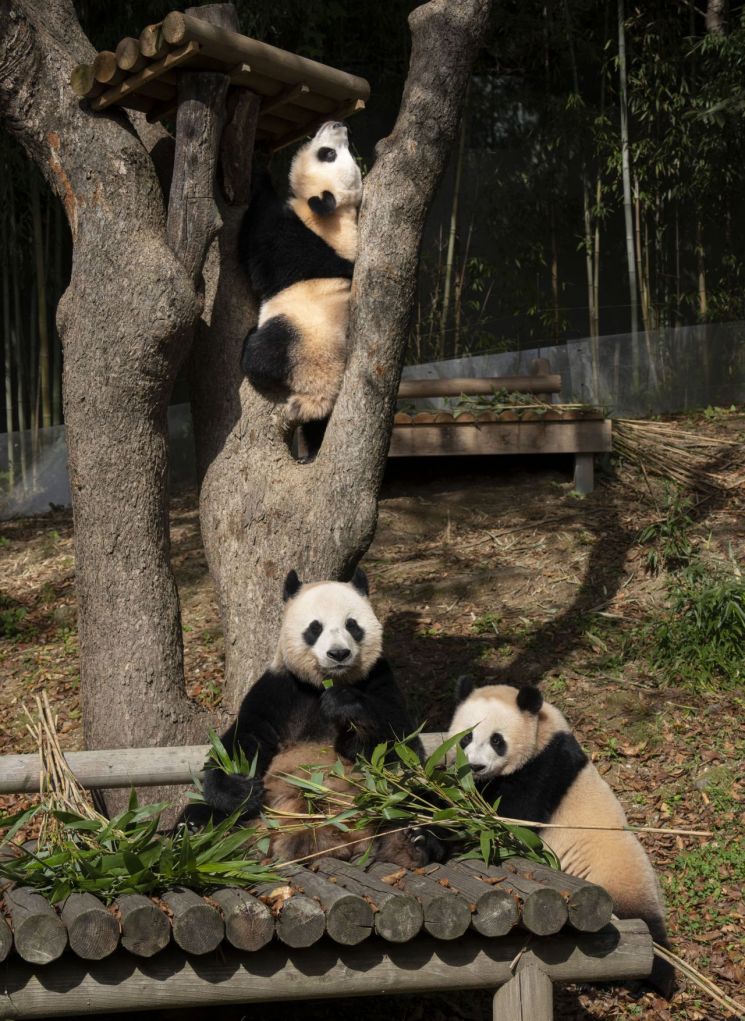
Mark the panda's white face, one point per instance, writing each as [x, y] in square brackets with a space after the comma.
[330, 631]
[325, 166]
[503, 737]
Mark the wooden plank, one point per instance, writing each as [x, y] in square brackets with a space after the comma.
[128, 767]
[83, 82]
[173, 982]
[529, 996]
[494, 912]
[237, 145]
[415, 388]
[590, 907]
[197, 927]
[146, 929]
[6, 938]
[129, 55]
[92, 931]
[299, 921]
[584, 473]
[543, 910]
[38, 934]
[281, 65]
[148, 74]
[153, 43]
[399, 916]
[106, 70]
[446, 914]
[340, 113]
[349, 918]
[284, 96]
[500, 437]
[248, 923]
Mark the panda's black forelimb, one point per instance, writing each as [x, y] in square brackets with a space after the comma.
[323, 204]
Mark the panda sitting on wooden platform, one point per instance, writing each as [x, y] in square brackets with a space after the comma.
[300, 256]
[522, 751]
[289, 720]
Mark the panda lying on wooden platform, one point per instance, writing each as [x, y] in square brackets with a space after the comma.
[300, 256]
[522, 751]
[289, 720]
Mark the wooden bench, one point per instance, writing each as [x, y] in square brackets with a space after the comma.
[330, 929]
[582, 431]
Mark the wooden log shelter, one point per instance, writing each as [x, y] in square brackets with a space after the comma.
[540, 428]
[327, 929]
[296, 95]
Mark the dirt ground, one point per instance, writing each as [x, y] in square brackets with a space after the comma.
[499, 569]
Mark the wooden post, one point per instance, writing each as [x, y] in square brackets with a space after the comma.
[93, 931]
[145, 928]
[38, 934]
[584, 473]
[526, 997]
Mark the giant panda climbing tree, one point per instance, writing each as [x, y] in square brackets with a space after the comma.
[155, 286]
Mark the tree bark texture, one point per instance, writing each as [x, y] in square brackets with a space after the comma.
[127, 321]
[262, 512]
[122, 322]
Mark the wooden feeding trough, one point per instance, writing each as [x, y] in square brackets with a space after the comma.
[327, 929]
[296, 94]
[533, 428]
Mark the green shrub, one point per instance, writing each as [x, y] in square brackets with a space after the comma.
[701, 640]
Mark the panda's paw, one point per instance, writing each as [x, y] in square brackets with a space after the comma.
[428, 847]
[341, 705]
[226, 793]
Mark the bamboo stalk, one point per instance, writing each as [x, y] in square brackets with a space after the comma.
[700, 980]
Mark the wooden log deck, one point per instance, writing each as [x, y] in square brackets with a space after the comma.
[324, 929]
[296, 95]
[541, 428]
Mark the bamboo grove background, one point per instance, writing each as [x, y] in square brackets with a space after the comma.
[597, 185]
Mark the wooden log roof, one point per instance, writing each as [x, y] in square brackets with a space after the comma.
[345, 903]
[297, 94]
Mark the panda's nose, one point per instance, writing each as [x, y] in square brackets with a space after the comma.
[478, 767]
[339, 654]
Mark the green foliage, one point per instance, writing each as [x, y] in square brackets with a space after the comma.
[409, 793]
[222, 759]
[12, 617]
[711, 875]
[701, 639]
[128, 855]
[667, 538]
[487, 624]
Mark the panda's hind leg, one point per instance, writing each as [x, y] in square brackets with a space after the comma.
[267, 353]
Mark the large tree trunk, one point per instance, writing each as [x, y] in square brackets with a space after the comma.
[261, 512]
[126, 323]
[122, 322]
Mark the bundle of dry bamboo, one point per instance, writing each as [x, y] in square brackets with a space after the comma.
[691, 459]
[297, 94]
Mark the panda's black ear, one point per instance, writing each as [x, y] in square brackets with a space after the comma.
[322, 204]
[291, 587]
[359, 581]
[529, 699]
[463, 688]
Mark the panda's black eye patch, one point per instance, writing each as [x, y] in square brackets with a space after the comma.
[326, 154]
[312, 632]
[498, 743]
[466, 740]
[355, 630]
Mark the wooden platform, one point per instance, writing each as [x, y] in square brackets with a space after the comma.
[326, 929]
[296, 94]
[541, 428]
